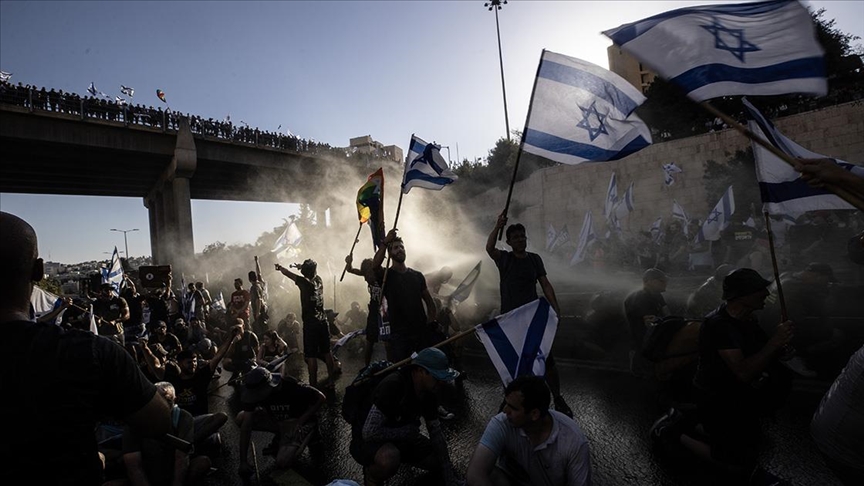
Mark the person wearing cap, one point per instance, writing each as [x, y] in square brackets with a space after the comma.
[390, 434]
[643, 307]
[737, 373]
[111, 312]
[529, 444]
[281, 405]
[316, 334]
[709, 295]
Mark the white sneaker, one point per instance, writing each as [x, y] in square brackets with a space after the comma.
[796, 364]
[445, 414]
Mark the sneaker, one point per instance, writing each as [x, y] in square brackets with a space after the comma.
[561, 406]
[798, 365]
[665, 428]
[445, 414]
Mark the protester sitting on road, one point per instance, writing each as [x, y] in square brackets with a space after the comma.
[289, 330]
[709, 295]
[283, 406]
[272, 347]
[151, 461]
[58, 382]
[738, 380]
[159, 335]
[390, 433]
[242, 356]
[643, 307]
[529, 444]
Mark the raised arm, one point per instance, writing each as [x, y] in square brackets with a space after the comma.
[350, 269]
[288, 273]
[493, 252]
[382, 250]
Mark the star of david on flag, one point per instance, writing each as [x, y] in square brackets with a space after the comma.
[761, 48]
[581, 112]
[425, 167]
[718, 219]
[114, 273]
[519, 342]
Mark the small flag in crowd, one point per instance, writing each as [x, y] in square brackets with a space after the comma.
[551, 234]
[581, 112]
[762, 48]
[425, 167]
[718, 219]
[119, 100]
[114, 273]
[43, 302]
[625, 206]
[344, 340]
[161, 95]
[370, 206]
[93, 327]
[779, 183]
[656, 230]
[611, 197]
[218, 304]
[561, 239]
[92, 89]
[679, 213]
[5, 77]
[463, 291]
[586, 238]
[519, 342]
[669, 171]
[290, 238]
[130, 92]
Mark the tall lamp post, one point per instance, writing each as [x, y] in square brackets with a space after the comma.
[495, 5]
[125, 241]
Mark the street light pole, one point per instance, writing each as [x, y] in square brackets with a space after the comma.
[495, 5]
[125, 240]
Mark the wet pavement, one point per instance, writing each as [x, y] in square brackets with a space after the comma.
[614, 409]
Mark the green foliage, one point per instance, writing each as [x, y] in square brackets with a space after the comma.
[50, 284]
[739, 171]
[497, 171]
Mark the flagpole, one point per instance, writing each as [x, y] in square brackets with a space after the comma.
[784, 316]
[847, 196]
[396, 219]
[356, 239]
[408, 360]
[521, 144]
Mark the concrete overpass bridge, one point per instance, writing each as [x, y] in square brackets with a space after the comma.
[167, 163]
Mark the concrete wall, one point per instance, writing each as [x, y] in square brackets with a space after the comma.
[561, 195]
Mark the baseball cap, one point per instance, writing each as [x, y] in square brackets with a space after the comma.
[823, 269]
[741, 282]
[434, 361]
[258, 383]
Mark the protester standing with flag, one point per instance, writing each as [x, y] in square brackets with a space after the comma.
[520, 271]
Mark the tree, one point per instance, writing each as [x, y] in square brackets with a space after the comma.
[50, 284]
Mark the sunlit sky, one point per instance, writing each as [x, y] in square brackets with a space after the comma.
[325, 70]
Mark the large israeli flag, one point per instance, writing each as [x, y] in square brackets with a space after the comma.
[762, 48]
[519, 341]
[581, 112]
[718, 219]
[783, 191]
[289, 239]
[114, 273]
[425, 167]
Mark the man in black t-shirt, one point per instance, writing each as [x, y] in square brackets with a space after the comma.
[405, 294]
[316, 333]
[520, 271]
[58, 383]
[281, 405]
[111, 312]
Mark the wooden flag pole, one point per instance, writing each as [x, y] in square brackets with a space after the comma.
[356, 240]
[784, 316]
[521, 145]
[844, 194]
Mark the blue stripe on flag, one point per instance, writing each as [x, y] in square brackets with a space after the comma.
[727, 207]
[416, 175]
[776, 192]
[593, 153]
[533, 339]
[812, 67]
[626, 33]
[586, 81]
[502, 345]
[417, 147]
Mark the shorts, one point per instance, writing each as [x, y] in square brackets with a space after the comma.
[316, 340]
[412, 451]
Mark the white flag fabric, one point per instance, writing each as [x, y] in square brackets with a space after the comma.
[93, 328]
[551, 234]
[561, 239]
[344, 340]
[611, 197]
[628, 200]
[290, 238]
[4, 76]
[92, 89]
[679, 213]
[783, 191]
[219, 303]
[43, 301]
[119, 100]
[581, 112]
[519, 342]
[130, 92]
[586, 238]
[718, 219]
[466, 286]
[656, 230]
[114, 273]
[669, 171]
[425, 167]
[762, 48]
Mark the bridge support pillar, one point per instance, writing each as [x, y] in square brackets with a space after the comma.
[170, 208]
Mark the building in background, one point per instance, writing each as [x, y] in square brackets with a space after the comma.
[629, 68]
[373, 152]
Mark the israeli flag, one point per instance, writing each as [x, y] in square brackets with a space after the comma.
[581, 112]
[586, 238]
[5, 77]
[43, 302]
[551, 235]
[679, 213]
[463, 291]
[425, 167]
[92, 89]
[114, 273]
[562, 238]
[782, 189]
[130, 92]
[344, 340]
[519, 341]
[611, 197]
[718, 219]
[289, 239]
[762, 48]
[219, 303]
[625, 205]
[669, 171]
[656, 230]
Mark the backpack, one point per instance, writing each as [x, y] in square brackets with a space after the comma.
[659, 335]
[358, 395]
